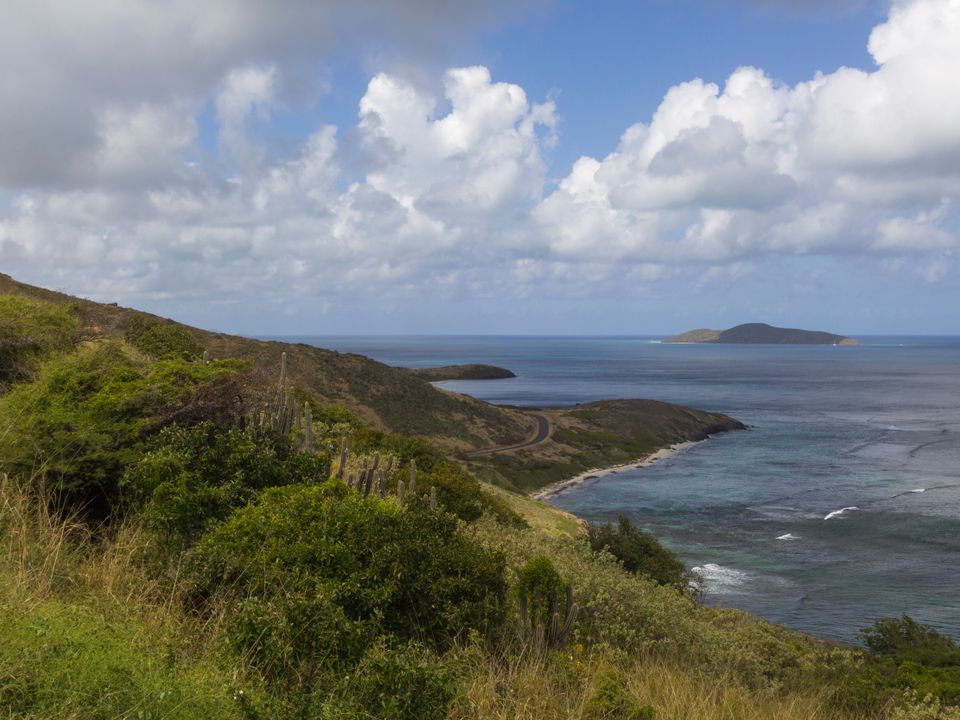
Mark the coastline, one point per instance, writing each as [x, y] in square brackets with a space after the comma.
[562, 486]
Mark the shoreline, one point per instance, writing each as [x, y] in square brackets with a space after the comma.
[561, 486]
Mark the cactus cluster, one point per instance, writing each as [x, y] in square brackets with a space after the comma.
[283, 416]
[373, 475]
[543, 625]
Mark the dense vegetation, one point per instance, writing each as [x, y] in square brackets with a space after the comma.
[180, 540]
[29, 332]
[87, 416]
[640, 552]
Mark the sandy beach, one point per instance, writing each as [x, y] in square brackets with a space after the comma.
[563, 485]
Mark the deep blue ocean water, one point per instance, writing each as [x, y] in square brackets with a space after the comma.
[875, 428]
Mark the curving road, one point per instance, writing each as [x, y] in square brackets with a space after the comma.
[544, 430]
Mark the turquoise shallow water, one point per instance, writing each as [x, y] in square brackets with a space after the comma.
[876, 428]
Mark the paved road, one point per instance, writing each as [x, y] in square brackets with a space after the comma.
[543, 432]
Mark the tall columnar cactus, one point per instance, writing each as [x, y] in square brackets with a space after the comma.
[368, 477]
[542, 623]
[343, 458]
[308, 428]
[277, 416]
[297, 428]
[413, 477]
[433, 497]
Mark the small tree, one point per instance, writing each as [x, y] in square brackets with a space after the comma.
[640, 553]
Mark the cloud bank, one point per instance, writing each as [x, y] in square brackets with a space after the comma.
[448, 192]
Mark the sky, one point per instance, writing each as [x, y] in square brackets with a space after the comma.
[452, 167]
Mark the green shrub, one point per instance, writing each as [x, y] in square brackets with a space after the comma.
[904, 657]
[29, 332]
[194, 476]
[458, 492]
[62, 661]
[613, 701]
[297, 635]
[162, 339]
[87, 414]
[633, 614]
[640, 552]
[404, 447]
[397, 571]
[403, 682]
[541, 585]
[905, 639]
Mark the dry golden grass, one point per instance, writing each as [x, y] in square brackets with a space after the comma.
[568, 687]
[36, 544]
[54, 571]
[539, 515]
[46, 554]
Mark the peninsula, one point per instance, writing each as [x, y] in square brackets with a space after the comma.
[520, 449]
[473, 371]
[761, 334]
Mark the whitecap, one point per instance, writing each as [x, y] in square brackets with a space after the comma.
[719, 579]
[788, 536]
[919, 490]
[838, 513]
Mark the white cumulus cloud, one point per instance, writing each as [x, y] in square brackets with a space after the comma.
[852, 161]
[445, 190]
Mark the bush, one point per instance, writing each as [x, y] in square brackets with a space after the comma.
[458, 492]
[58, 660]
[640, 552]
[297, 636]
[369, 566]
[613, 701]
[29, 332]
[405, 682]
[87, 415]
[633, 614]
[904, 657]
[905, 639]
[162, 339]
[541, 584]
[194, 476]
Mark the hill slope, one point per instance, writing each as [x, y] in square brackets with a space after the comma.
[761, 334]
[382, 396]
[526, 448]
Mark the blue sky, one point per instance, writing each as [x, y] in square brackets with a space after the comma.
[543, 167]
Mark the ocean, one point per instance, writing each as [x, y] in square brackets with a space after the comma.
[840, 504]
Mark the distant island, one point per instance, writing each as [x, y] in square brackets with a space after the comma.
[761, 334]
[473, 371]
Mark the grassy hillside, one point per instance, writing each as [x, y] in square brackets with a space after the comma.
[192, 536]
[382, 396]
[397, 400]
